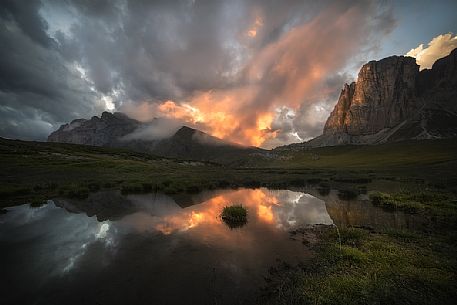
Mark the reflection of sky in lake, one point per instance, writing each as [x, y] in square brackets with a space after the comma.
[159, 249]
[58, 236]
[52, 252]
[279, 209]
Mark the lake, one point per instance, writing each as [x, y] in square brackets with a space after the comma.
[161, 249]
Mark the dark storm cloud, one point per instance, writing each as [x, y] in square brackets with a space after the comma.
[38, 89]
[168, 49]
[26, 17]
[59, 58]
[161, 49]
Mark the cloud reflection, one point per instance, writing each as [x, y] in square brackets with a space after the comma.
[278, 209]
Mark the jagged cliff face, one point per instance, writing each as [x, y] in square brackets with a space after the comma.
[392, 101]
[336, 123]
[382, 97]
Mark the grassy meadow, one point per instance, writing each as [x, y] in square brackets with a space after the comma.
[35, 170]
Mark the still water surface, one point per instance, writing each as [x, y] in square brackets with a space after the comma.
[157, 249]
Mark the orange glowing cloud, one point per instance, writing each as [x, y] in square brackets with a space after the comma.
[287, 72]
[252, 32]
[200, 111]
[265, 213]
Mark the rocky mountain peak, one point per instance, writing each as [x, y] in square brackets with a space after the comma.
[99, 131]
[391, 100]
[336, 121]
[446, 66]
[115, 130]
[185, 132]
[381, 98]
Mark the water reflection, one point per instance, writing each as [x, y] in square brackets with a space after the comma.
[359, 211]
[128, 249]
[278, 209]
[157, 249]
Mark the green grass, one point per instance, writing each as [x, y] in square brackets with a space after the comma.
[390, 266]
[415, 202]
[374, 156]
[370, 268]
[33, 170]
[44, 170]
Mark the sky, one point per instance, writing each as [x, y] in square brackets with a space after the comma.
[254, 72]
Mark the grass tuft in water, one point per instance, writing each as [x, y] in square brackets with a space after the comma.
[234, 216]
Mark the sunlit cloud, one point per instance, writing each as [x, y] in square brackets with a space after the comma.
[252, 32]
[438, 47]
[290, 71]
[222, 67]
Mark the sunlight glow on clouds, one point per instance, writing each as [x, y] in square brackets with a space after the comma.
[438, 47]
[290, 71]
[249, 71]
[253, 30]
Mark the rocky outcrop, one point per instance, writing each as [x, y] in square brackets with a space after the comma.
[106, 130]
[392, 101]
[336, 123]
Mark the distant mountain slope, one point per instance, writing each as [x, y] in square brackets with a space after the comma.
[198, 145]
[393, 101]
[113, 130]
[106, 130]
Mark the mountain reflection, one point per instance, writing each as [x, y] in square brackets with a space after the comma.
[278, 209]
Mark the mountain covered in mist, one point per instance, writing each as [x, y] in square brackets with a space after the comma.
[393, 101]
[118, 130]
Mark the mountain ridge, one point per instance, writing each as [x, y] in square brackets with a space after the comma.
[115, 129]
[392, 101]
